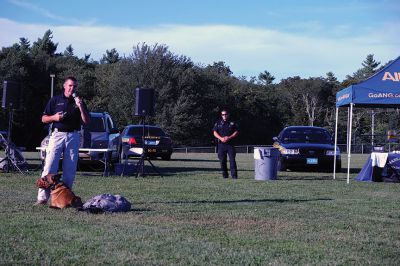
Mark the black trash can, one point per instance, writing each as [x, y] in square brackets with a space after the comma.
[266, 163]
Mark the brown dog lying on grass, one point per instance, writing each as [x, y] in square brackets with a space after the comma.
[61, 195]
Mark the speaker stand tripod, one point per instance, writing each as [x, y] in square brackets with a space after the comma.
[9, 162]
[140, 166]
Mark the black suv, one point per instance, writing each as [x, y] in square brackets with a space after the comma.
[100, 133]
[156, 142]
[306, 147]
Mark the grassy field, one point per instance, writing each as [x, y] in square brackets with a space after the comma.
[191, 216]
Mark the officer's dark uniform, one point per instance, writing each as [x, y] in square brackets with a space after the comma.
[72, 115]
[224, 129]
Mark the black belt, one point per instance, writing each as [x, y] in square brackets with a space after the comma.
[64, 130]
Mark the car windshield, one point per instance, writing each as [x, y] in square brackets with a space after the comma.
[306, 135]
[149, 131]
[97, 124]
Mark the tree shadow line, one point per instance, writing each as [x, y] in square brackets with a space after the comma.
[195, 160]
[236, 201]
[140, 210]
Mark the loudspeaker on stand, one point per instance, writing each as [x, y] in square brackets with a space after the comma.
[144, 102]
[11, 95]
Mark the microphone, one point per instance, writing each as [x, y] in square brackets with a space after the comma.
[75, 96]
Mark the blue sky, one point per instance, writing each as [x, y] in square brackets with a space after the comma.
[287, 38]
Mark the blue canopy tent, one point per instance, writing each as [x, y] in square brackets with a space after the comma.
[380, 90]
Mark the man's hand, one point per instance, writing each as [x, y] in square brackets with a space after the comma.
[78, 101]
[224, 139]
[58, 116]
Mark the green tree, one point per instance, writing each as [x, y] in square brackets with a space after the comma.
[370, 67]
[114, 91]
[110, 57]
[69, 51]
[15, 65]
[307, 99]
[220, 68]
[265, 78]
[188, 97]
[45, 44]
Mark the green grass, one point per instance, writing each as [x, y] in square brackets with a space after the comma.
[191, 216]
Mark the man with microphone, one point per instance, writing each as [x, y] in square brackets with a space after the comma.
[66, 112]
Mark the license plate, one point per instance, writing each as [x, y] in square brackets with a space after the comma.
[312, 160]
[151, 150]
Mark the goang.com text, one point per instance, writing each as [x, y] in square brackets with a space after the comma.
[383, 95]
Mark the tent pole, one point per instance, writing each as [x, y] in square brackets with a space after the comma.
[349, 143]
[372, 129]
[334, 157]
[348, 120]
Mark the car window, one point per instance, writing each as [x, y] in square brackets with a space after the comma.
[97, 124]
[306, 136]
[109, 122]
[149, 131]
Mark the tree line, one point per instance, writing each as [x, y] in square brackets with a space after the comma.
[188, 96]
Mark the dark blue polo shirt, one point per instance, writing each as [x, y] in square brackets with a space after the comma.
[226, 128]
[72, 117]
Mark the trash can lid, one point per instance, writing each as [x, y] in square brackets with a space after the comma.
[261, 152]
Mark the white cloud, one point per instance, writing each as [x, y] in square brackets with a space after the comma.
[248, 51]
[30, 7]
[34, 8]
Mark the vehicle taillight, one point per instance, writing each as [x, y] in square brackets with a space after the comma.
[132, 141]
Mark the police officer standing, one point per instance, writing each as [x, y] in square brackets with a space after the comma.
[226, 131]
[66, 112]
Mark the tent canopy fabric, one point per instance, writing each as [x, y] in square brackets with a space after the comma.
[379, 90]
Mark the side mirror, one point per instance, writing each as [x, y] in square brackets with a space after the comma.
[114, 130]
[275, 138]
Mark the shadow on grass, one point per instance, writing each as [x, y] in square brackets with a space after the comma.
[140, 210]
[34, 166]
[149, 172]
[135, 159]
[194, 160]
[302, 175]
[305, 178]
[85, 173]
[97, 211]
[168, 171]
[352, 170]
[238, 201]
[176, 170]
[342, 170]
